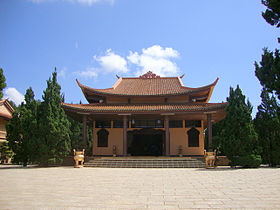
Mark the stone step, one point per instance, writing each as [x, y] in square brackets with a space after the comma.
[146, 163]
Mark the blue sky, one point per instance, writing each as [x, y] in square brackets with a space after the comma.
[93, 40]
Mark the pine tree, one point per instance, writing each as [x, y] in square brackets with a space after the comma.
[54, 126]
[267, 125]
[5, 151]
[22, 131]
[2, 83]
[238, 139]
[76, 134]
[272, 13]
[268, 71]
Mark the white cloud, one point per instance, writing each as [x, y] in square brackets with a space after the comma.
[158, 52]
[88, 73]
[155, 59]
[112, 62]
[62, 72]
[13, 95]
[85, 2]
[76, 45]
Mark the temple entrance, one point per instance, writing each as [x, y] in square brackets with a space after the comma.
[146, 142]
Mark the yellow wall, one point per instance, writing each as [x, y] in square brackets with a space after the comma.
[115, 138]
[2, 130]
[3, 122]
[178, 136]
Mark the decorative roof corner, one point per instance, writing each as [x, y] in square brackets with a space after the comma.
[78, 82]
[149, 75]
[211, 89]
[216, 81]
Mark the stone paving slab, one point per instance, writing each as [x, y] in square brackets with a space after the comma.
[134, 188]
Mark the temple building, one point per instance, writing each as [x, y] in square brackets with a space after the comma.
[6, 113]
[148, 116]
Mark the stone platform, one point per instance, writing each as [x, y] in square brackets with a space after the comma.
[139, 188]
[146, 162]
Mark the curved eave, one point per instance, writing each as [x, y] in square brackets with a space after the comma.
[143, 108]
[189, 91]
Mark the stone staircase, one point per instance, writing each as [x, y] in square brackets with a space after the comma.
[146, 162]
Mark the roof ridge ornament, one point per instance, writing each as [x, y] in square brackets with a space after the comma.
[149, 75]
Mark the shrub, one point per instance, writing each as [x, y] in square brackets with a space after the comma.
[248, 161]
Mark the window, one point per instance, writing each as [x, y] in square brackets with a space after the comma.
[176, 123]
[147, 123]
[119, 124]
[102, 138]
[193, 137]
[103, 124]
[193, 123]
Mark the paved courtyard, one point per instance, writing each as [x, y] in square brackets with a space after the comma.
[105, 188]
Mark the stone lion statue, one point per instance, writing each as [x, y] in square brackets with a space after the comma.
[210, 158]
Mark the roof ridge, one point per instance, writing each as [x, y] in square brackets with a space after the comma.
[148, 78]
[117, 83]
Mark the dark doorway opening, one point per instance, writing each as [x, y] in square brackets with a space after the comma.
[146, 142]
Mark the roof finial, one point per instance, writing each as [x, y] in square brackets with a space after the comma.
[182, 76]
[117, 76]
[149, 75]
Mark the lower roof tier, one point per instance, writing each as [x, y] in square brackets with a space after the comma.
[191, 111]
[143, 108]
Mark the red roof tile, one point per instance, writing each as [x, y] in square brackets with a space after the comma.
[158, 86]
[138, 108]
[9, 107]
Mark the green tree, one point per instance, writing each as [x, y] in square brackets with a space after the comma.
[237, 137]
[5, 151]
[216, 137]
[54, 126]
[22, 131]
[272, 13]
[267, 124]
[268, 71]
[76, 136]
[2, 83]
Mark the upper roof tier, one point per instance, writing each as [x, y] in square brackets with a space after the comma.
[149, 84]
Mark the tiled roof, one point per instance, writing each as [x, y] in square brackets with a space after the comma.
[159, 86]
[5, 102]
[139, 108]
